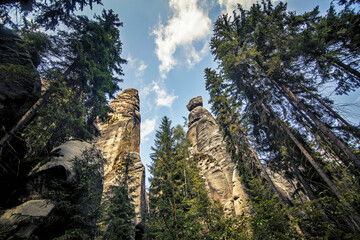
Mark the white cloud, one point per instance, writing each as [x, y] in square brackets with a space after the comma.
[138, 66]
[147, 127]
[144, 92]
[162, 97]
[229, 6]
[188, 24]
[196, 56]
[140, 70]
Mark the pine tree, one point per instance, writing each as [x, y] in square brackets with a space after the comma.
[266, 102]
[179, 204]
[82, 81]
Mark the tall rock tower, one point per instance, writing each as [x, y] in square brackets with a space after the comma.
[218, 171]
[119, 143]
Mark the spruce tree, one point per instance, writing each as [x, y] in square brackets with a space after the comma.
[267, 93]
[179, 204]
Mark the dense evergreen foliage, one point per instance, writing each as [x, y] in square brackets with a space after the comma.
[266, 96]
[179, 204]
[266, 99]
[80, 69]
[78, 202]
[79, 62]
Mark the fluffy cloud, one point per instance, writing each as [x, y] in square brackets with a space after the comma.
[162, 97]
[138, 66]
[189, 23]
[147, 127]
[193, 56]
[140, 70]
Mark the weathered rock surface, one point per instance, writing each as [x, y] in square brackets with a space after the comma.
[119, 143]
[35, 216]
[219, 172]
[291, 189]
[60, 166]
[22, 220]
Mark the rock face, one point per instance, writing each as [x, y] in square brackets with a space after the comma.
[19, 90]
[60, 166]
[119, 143]
[218, 171]
[37, 215]
[19, 80]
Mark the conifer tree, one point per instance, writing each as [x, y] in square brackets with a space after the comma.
[179, 204]
[265, 81]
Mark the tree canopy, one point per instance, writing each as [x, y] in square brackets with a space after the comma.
[266, 97]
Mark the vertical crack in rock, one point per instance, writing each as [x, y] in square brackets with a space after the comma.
[216, 167]
[119, 143]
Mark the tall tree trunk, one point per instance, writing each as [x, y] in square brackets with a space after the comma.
[342, 146]
[308, 190]
[338, 142]
[265, 175]
[24, 121]
[354, 130]
[284, 201]
[345, 67]
[339, 156]
[331, 185]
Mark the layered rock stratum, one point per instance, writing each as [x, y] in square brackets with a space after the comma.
[119, 143]
[216, 167]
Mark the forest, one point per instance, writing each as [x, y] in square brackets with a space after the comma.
[60, 69]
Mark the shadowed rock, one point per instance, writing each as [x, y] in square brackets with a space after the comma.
[195, 102]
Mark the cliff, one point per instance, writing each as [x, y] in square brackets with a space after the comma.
[218, 171]
[20, 88]
[119, 143]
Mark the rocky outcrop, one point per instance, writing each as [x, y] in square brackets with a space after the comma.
[40, 217]
[61, 166]
[218, 171]
[119, 143]
[19, 90]
[24, 219]
[19, 80]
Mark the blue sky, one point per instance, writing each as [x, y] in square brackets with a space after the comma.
[166, 43]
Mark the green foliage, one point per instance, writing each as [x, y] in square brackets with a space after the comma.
[179, 204]
[269, 218]
[58, 120]
[47, 13]
[272, 63]
[78, 202]
[12, 72]
[79, 83]
[89, 60]
[119, 215]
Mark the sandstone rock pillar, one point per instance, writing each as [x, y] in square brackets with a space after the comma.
[119, 143]
[218, 171]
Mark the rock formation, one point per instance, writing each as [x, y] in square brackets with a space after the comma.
[218, 171]
[119, 143]
[19, 90]
[19, 80]
[37, 216]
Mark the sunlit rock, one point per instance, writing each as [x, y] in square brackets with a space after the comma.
[218, 171]
[119, 143]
